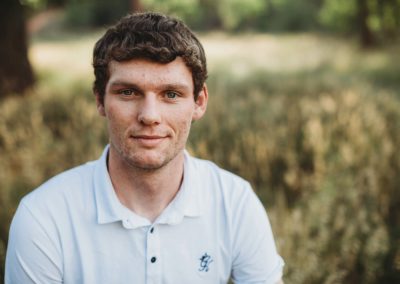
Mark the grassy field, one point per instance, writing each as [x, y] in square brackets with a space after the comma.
[312, 121]
[70, 55]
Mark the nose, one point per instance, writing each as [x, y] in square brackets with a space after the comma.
[149, 111]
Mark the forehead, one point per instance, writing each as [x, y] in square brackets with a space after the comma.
[143, 71]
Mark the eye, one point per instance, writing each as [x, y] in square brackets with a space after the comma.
[127, 92]
[171, 95]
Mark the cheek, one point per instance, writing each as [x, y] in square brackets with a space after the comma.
[184, 126]
[117, 121]
[118, 115]
[180, 125]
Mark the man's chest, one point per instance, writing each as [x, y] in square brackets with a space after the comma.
[193, 251]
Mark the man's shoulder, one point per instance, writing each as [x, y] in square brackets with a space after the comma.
[63, 186]
[219, 181]
[210, 168]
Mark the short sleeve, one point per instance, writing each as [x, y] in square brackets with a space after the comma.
[255, 256]
[32, 254]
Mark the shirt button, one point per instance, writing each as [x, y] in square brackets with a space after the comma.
[153, 259]
[152, 230]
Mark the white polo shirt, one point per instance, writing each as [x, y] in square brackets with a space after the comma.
[73, 229]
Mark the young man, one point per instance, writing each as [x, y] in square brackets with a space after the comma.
[146, 211]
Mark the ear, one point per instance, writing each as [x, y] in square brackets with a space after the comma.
[100, 104]
[201, 103]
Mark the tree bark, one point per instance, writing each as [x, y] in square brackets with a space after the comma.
[16, 73]
[366, 34]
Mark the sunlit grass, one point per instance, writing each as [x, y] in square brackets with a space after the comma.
[244, 53]
[342, 62]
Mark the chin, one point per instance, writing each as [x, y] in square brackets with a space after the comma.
[147, 163]
[149, 166]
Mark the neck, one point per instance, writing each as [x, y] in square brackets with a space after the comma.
[146, 192]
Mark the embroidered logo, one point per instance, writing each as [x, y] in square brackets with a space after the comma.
[205, 261]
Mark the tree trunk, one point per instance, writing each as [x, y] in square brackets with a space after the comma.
[366, 35]
[16, 74]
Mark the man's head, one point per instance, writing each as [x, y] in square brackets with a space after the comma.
[151, 36]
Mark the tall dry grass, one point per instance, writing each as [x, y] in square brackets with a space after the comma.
[326, 167]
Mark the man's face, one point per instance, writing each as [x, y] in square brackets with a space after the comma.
[149, 108]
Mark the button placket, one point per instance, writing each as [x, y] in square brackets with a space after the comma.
[153, 271]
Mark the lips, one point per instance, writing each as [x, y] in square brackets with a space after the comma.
[148, 137]
[149, 141]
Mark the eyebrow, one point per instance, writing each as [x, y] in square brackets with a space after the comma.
[169, 86]
[124, 84]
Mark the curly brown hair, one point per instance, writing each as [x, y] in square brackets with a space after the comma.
[152, 36]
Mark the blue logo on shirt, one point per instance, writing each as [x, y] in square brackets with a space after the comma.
[205, 261]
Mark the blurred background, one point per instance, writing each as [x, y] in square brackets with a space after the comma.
[304, 103]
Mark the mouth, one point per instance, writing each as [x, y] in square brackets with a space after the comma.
[150, 137]
[149, 141]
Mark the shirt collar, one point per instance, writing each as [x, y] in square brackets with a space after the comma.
[188, 201]
[109, 209]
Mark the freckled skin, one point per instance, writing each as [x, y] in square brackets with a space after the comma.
[149, 109]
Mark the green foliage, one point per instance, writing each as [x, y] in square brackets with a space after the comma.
[234, 15]
[95, 13]
[287, 15]
[38, 5]
[237, 14]
[339, 15]
[383, 17]
[379, 23]
[187, 10]
[34, 4]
